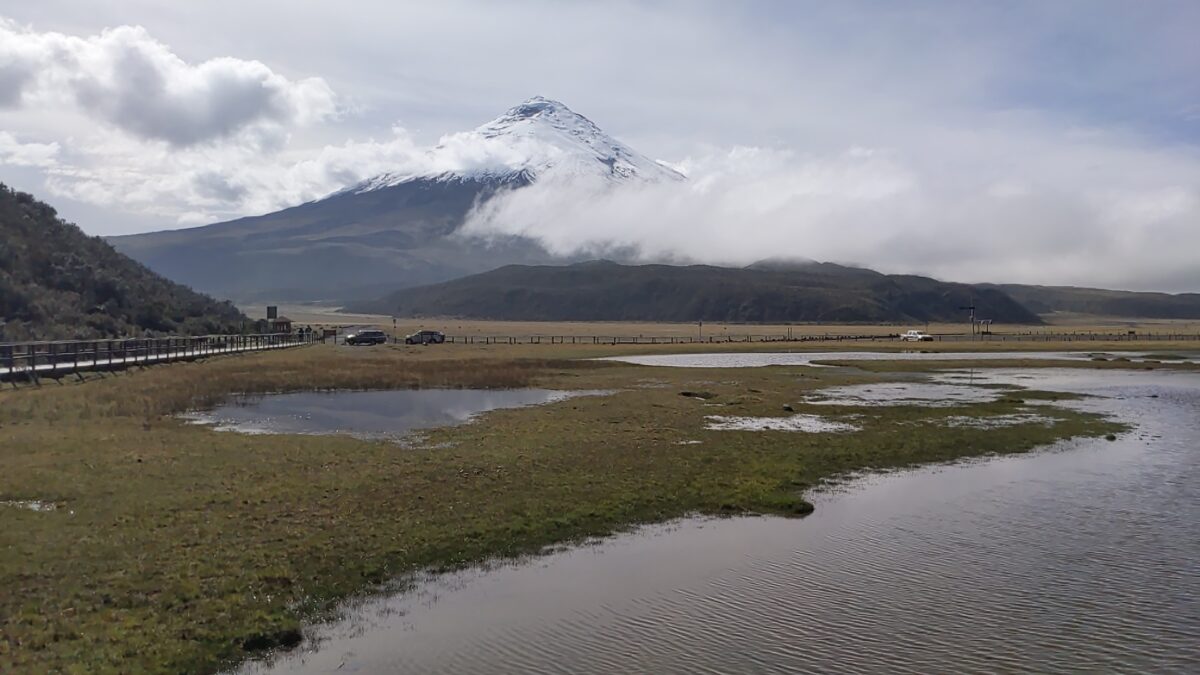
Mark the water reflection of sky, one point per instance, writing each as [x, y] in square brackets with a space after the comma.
[368, 413]
[759, 359]
[1077, 560]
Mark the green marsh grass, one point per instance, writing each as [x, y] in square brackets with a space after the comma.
[177, 548]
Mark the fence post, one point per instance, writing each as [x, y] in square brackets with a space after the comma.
[33, 364]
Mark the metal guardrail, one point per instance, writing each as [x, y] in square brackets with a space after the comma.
[34, 360]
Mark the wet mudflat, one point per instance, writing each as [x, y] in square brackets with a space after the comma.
[925, 394]
[1078, 558]
[368, 414]
[814, 424]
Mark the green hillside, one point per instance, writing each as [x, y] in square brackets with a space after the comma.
[58, 283]
[1100, 302]
[768, 293]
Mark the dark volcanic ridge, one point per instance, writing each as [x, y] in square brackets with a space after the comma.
[608, 291]
[1101, 302]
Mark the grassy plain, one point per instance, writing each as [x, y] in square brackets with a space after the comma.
[177, 548]
[318, 315]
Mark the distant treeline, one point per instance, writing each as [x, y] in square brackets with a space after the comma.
[58, 283]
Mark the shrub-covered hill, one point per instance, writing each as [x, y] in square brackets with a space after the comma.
[761, 293]
[58, 283]
[1103, 302]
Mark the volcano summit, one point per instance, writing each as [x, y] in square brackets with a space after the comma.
[397, 229]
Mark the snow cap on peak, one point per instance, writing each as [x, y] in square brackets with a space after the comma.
[536, 138]
[536, 105]
[573, 144]
[542, 111]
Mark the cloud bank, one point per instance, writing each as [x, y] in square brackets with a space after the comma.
[127, 79]
[218, 182]
[1037, 205]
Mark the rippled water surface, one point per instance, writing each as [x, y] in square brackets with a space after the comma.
[371, 414]
[1078, 559]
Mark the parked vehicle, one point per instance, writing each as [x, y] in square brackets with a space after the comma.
[426, 337]
[915, 336]
[367, 337]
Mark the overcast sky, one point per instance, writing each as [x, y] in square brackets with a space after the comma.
[1038, 141]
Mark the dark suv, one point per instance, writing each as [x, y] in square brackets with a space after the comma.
[367, 337]
[426, 337]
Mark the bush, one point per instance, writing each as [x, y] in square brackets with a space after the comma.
[58, 283]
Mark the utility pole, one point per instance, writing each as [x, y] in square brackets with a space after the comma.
[971, 307]
[701, 324]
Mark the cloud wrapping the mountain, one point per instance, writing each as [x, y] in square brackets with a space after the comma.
[129, 80]
[1037, 205]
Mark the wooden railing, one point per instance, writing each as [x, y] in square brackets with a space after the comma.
[35, 360]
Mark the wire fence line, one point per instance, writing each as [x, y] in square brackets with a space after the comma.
[34, 360]
[750, 337]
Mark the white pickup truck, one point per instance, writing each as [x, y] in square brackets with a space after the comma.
[915, 336]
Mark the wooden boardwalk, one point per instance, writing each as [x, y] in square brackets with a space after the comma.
[31, 361]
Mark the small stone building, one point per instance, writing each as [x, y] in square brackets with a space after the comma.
[280, 324]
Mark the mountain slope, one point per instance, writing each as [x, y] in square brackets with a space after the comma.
[392, 236]
[1100, 302]
[398, 229]
[607, 291]
[58, 283]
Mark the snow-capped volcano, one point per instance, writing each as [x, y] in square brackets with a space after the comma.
[573, 142]
[402, 228]
[538, 138]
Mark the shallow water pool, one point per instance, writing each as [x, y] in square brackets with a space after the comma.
[760, 359]
[369, 414]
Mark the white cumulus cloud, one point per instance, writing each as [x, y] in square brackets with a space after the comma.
[16, 153]
[127, 79]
